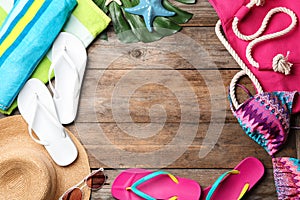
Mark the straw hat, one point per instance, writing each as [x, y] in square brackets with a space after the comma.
[28, 172]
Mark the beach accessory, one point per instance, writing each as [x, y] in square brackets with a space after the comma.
[38, 110]
[150, 9]
[26, 169]
[265, 117]
[68, 63]
[94, 181]
[86, 22]
[132, 28]
[139, 184]
[287, 177]
[261, 36]
[25, 36]
[235, 183]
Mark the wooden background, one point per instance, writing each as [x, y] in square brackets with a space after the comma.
[129, 87]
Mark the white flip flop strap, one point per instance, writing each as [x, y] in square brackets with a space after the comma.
[64, 55]
[49, 77]
[53, 120]
[33, 138]
[71, 63]
[30, 126]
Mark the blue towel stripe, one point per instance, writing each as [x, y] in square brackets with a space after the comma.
[24, 32]
[21, 56]
[15, 21]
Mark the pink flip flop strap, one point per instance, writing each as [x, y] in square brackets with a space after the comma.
[220, 179]
[134, 186]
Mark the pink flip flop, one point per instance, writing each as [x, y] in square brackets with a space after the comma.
[140, 184]
[235, 183]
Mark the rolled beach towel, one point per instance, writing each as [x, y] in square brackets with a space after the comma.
[86, 22]
[25, 37]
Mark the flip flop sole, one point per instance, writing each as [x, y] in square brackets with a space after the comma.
[61, 149]
[160, 187]
[67, 84]
[251, 171]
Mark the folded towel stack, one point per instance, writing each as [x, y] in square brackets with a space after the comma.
[85, 22]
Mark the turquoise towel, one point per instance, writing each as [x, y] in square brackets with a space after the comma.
[86, 22]
[25, 37]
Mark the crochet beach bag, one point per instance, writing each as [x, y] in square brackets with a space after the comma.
[262, 36]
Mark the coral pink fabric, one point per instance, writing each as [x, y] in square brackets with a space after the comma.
[264, 52]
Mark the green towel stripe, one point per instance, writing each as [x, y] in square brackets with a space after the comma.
[10, 109]
[41, 72]
[3, 15]
[83, 13]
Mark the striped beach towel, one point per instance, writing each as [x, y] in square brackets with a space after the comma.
[25, 36]
[86, 22]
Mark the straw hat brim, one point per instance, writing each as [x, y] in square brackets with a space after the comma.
[26, 169]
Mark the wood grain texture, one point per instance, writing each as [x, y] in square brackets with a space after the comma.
[103, 140]
[165, 92]
[204, 14]
[192, 48]
[168, 93]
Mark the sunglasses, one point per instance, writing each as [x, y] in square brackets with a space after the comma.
[94, 181]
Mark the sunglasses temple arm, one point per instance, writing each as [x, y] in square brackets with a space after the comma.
[83, 185]
[81, 182]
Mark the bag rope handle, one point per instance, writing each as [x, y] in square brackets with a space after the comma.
[245, 69]
[232, 86]
[280, 62]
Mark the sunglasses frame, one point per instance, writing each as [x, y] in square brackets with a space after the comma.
[83, 181]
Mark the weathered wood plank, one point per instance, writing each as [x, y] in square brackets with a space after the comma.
[157, 95]
[113, 145]
[192, 48]
[181, 95]
[265, 189]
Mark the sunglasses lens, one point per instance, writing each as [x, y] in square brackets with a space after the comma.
[73, 194]
[96, 180]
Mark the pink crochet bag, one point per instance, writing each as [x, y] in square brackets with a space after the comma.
[263, 37]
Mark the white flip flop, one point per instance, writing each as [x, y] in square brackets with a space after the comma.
[37, 108]
[68, 63]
